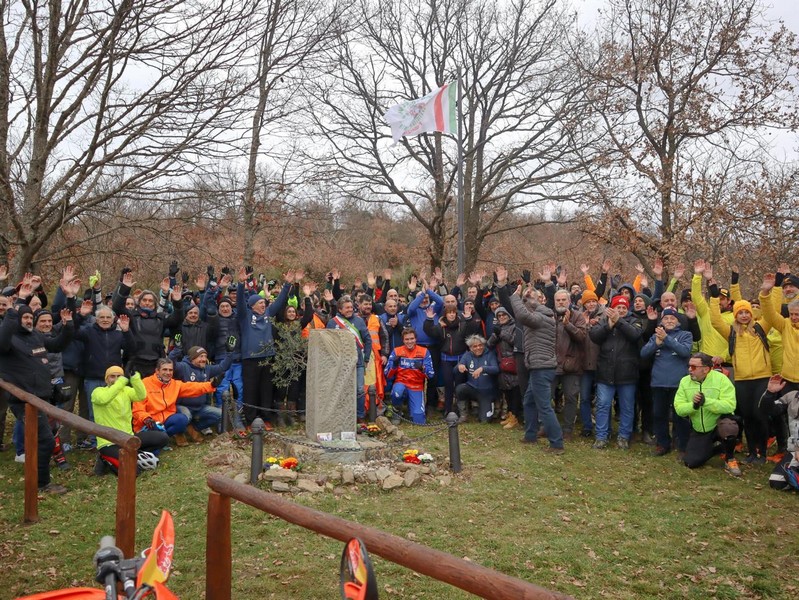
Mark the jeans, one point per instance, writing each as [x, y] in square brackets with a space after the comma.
[604, 400]
[538, 405]
[202, 417]
[232, 376]
[176, 423]
[586, 397]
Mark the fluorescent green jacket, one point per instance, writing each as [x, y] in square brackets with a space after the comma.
[112, 405]
[719, 400]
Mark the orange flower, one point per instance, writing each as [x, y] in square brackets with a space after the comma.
[289, 463]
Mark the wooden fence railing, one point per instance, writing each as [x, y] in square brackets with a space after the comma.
[468, 576]
[126, 480]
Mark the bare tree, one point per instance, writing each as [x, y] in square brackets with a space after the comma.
[682, 92]
[292, 33]
[520, 104]
[108, 99]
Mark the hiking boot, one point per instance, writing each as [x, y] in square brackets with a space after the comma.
[554, 450]
[731, 466]
[180, 440]
[600, 444]
[20, 458]
[53, 488]
[587, 433]
[504, 420]
[660, 451]
[623, 443]
[776, 458]
[100, 467]
[510, 422]
[648, 439]
[195, 435]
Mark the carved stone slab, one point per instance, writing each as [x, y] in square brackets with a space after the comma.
[330, 383]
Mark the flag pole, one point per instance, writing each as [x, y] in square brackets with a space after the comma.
[461, 219]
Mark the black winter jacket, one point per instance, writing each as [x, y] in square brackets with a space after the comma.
[619, 350]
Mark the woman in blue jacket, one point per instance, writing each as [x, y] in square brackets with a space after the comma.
[670, 347]
[480, 369]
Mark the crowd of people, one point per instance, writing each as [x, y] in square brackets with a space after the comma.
[691, 367]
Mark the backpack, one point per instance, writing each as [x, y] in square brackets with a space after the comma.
[759, 332]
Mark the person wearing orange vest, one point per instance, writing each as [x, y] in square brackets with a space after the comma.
[408, 366]
[373, 372]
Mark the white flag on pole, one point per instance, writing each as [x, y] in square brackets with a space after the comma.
[438, 111]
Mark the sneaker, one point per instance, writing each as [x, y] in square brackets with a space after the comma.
[732, 468]
[660, 451]
[20, 458]
[53, 488]
[623, 443]
[554, 450]
[268, 426]
[755, 459]
[66, 447]
[776, 458]
[207, 431]
[739, 447]
[771, 441]
[648, 439]
[600, 444]
[87, 444]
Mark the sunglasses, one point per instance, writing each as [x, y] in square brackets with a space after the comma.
[694, 367]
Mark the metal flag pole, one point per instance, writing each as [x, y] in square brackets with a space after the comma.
[461, 218]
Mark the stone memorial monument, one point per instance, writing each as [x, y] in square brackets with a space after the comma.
[330, 384]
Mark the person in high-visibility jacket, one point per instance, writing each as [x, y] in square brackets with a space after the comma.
[373, 370]
[408, 367]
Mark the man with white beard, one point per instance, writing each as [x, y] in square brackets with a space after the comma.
[571, 333]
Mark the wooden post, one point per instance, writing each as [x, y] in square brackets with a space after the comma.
[126, 500]
[218, 554]
[31, 464]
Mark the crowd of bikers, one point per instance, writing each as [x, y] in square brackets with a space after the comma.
[686, 366]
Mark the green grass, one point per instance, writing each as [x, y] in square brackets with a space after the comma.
[593, 524]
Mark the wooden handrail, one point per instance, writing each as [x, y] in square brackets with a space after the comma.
[120, 438]
[126, 477]
[468, 576]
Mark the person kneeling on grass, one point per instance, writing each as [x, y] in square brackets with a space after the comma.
[480, 368]
[160, 405]
[786, 474]
[198, 408]
[112, 408]
[407, 368]
[707, 398]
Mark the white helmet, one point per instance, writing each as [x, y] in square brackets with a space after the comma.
[147, 461]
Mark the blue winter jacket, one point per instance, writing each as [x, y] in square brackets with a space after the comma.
[185, 371]
[486, 383]
[671, 358]
[257, 331]
[417, 316]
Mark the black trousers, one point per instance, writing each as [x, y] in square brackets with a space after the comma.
[152, 440]
[259, 389]
[703, 446]
[46, 441]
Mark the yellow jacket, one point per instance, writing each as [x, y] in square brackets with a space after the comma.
[771, 304]
[751, 360]
[712, 342]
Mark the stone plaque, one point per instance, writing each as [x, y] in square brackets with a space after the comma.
[330, 383]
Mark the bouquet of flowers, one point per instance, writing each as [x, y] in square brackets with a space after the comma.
[279, 462]
[369, 429]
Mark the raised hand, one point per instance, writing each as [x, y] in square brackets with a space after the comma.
[460, 280]
[679, 271]
[370, 279]
[546, 273]
[173, 268]
[387, 274]
[185, 277]
[201, 281]
[298, 275]
[226, 280]
[784, 268]
[327, 295]
[690, 309]
[526, 275]
[430, 312]
[25, 290]
[86, 308]
[606, 264]
[775, 384]
[165, 285]
[699, 266]
[72, 289]
[176, 293]
[657, 267]
[584, 268]
[562, 278]
[708, 271]
[644, 280]
[639, 267]
[124, 322]
[66, 315]
[242, 274]
[651, 313]
[768, 283]
[412, 282]
[127, 279]
[3, 272]
[336, 274]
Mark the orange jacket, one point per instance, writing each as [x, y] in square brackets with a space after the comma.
[162, 399]
[316, 323]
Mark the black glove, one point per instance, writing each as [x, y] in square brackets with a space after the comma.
[249, 270]
[714, 290]
[495, 277]
[526, 276]
[615, 281]
[185, 277]
[149, 423]
[210, 271]
[330, 276]
[734, 278]
[215, 381]
[379, 282]
[125, 270]
[225, 270]
[173, 268]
